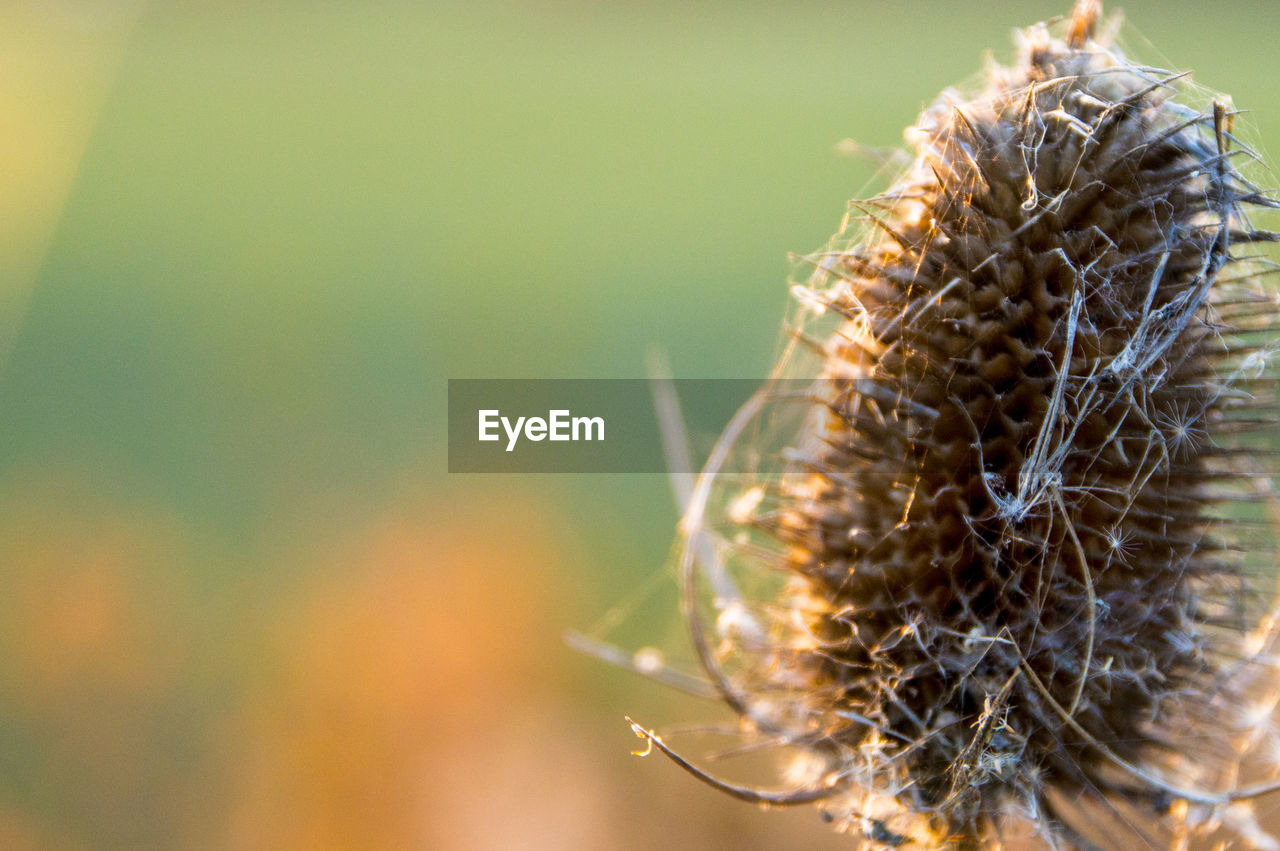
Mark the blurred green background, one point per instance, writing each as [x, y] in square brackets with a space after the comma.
[244, 246]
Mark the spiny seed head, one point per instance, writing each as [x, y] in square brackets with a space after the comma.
[1017, 565]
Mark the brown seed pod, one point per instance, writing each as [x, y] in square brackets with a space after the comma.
[1013, 554]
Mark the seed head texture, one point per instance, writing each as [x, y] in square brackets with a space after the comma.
[1019, 542]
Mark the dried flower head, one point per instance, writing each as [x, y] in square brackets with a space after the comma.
[1012, 552]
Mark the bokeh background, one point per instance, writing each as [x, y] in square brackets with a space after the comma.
[242, 247]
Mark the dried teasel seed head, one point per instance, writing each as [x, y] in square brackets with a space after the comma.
[1017, 532]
